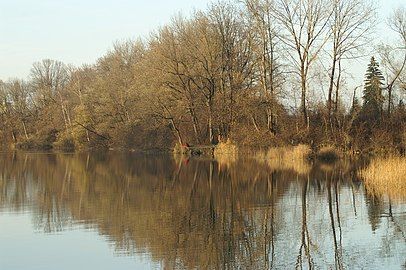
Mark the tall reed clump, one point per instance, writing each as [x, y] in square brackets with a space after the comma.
[226, 152]
[179, 149]
[386, 177]
[287, 158]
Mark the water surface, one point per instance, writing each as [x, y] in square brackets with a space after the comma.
[124, 211]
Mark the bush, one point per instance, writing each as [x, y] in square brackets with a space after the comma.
[328, 154]
[26, 144]
[42, 141]
[64, 142]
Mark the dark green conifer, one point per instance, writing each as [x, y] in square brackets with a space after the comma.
[373, 97]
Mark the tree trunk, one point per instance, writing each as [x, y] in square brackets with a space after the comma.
[63, 112]
[337, 87]
[87, 136]
[330, 90]
[230, 126]
[25, 130]
[389, 99]
[210, 119]
[303, 101]
[270, 119]
[195, 124]
[13, 135]
[210, 125]
[254, 122]
[268, 95]
[177, 132]
[65, 120]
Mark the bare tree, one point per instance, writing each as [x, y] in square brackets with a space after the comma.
[393, 57]
[171, 61]
[19, 95]
[305, 24]
[49, 79]
[233, 35]
[266, 58]
[205, 50]
[350, 24]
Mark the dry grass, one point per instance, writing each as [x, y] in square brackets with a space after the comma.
[287, 158]
[178, 149]
[226, 153]
[386, 177]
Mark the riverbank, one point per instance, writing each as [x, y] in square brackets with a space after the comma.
[325, 153]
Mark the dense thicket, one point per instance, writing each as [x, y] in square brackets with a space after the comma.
[253, 72]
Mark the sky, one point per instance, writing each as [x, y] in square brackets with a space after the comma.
[80, 31]
[76, 31]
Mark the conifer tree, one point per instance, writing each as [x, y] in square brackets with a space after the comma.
[373, 97]
[355, 108]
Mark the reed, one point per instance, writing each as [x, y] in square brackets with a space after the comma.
[386, 177]
[178, 149]
[287, 158]
[226, 153]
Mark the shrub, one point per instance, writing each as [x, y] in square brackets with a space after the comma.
[26, 144]
[64, 142]
[328, 154]
[34, 143]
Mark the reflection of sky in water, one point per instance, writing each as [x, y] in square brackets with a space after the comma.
[23, 248]
[105, 214]
[362, 247]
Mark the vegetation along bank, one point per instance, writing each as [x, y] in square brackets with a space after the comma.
[241, 72]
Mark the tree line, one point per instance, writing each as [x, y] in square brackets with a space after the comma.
[257, 72]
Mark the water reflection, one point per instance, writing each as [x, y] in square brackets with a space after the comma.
[202, 214]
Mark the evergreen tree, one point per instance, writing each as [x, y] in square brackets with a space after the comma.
[401, 105]
[355, 108]
[373, 97]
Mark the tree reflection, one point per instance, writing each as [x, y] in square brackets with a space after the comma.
[337, 245]
[305, 244]
[189, 213]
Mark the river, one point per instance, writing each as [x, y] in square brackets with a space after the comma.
[129, 211]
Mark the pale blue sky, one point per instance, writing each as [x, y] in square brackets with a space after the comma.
[80, 31]
[75, 31]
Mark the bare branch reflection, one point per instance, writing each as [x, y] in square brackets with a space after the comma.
[195, 213]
